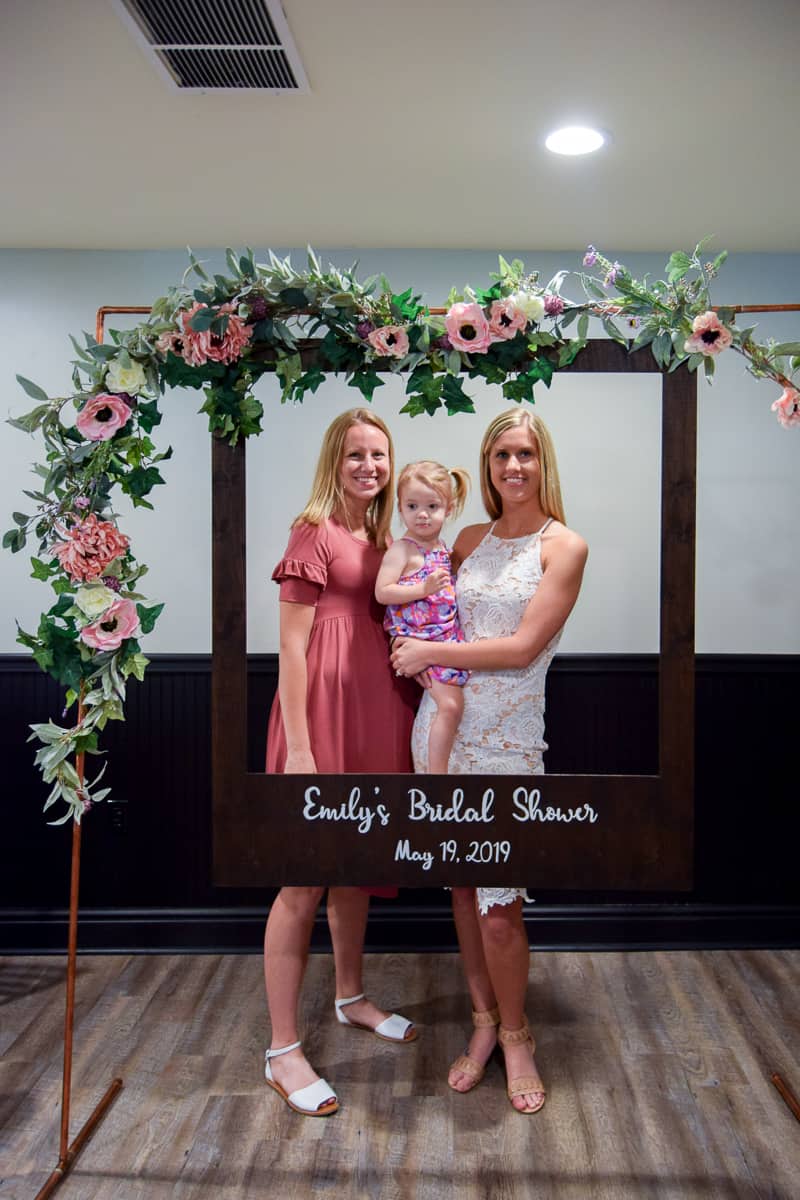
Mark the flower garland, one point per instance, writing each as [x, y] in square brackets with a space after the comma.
[221, 334]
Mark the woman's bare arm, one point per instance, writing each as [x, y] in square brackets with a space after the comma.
[296, 621]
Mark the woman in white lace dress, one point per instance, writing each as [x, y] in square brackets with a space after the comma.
[518, 578]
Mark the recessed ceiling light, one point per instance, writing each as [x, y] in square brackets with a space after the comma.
[575, 139]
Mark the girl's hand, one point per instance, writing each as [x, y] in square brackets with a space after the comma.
[300, 762]
[412, 656]
[436, 581]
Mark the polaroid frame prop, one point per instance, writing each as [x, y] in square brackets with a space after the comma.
[598, 832]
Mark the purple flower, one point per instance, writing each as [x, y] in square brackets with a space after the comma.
[443, 343]
[111, 582]
[364, 329]
[611, 274]
[553, 304]
[82, 502]
[590, 257]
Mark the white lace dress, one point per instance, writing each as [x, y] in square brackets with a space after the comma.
[502, 729]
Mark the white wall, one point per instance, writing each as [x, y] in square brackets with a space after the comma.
[606, 429]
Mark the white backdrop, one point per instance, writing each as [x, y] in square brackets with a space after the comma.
[606, 430]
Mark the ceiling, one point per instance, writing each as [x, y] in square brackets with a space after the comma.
[423, 128]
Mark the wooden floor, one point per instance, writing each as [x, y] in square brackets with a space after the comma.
[658, 1067]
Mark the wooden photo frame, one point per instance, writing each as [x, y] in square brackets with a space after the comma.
[597, 832]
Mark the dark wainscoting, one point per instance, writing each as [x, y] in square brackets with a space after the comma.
[146, 866]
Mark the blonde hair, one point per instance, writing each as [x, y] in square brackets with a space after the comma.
[327, 496]
[451, 483]
[549, 486]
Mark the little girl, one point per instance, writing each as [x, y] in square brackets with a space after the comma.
[416, 583]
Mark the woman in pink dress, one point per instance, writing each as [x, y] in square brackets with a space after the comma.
[339, 709]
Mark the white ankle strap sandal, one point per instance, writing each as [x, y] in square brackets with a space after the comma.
[393, 1029]
[317, 1099]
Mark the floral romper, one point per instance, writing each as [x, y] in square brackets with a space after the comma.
[433, 618]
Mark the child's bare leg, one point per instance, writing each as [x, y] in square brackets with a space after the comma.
[449, 707]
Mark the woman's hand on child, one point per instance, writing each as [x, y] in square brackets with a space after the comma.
[436, 581]
[412, 656]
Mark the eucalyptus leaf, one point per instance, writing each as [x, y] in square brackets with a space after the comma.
[33, 389]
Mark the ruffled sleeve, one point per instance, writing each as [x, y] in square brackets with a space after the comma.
[302, 573]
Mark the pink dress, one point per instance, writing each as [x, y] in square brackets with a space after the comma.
[359, 713]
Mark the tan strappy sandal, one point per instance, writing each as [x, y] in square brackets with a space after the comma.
[522, 1085]
[465, 1064]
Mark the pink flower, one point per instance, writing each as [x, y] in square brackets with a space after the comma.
[170, 342]
[787, 407]
[202, 346]
[89, 547]
[553, 304]
[101, 417]
[468, 328]
[709, 335]
[390, 341]
[119, 621]
[505, 318]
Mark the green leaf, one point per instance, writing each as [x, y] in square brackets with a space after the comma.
[679, 265]
[661, 348]
[41, 570]
[366, 381]
[196, 266]
[19, 518]
[148, 415]
[140, 481]
[405, 306]
[14, 540]
[485, 297]
[422, 379]
[785, 348]
[30, 421]
[62, 605]
[148, 616]
[339, 356]
[33, 390]
[203, 319]
[454, 363]
[483, 368]
[455, 398]
[570, 351]
[103, 353]
[61, 646]
[519, 388]
[294, 298]
[583, 326]
[135, 665]
[309, 382]
[593, 288]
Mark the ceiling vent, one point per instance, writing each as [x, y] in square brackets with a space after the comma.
[217, 45]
